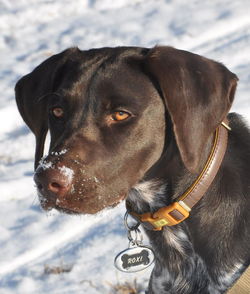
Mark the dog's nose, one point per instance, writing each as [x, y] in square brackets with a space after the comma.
[52, 182]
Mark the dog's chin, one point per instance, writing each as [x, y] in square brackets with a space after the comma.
[79, 209]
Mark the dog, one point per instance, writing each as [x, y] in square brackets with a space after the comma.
[139, 124]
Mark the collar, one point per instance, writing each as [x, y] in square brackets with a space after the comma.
[179, 210]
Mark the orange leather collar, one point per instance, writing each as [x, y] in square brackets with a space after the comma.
[179, 210]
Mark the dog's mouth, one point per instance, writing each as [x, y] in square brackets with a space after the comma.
[67, 211]
[74, 208]
[68, 190]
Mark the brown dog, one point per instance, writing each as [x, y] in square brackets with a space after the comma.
[139, 124]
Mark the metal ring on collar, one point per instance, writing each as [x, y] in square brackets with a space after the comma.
[127, 226]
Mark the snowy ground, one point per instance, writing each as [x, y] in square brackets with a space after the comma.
[31, 241]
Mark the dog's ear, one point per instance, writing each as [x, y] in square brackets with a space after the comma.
[198, 94]
[31, 92]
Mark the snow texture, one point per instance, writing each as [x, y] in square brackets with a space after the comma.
[36, 245]
[67, 172]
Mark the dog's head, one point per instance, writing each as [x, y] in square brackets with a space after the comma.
[106, 113]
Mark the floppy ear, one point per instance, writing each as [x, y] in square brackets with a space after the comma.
[31, 91]
[198, 94]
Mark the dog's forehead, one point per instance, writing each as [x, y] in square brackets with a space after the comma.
[104, 74]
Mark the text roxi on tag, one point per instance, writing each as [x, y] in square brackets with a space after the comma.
[134, 259]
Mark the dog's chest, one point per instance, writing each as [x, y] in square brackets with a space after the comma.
[178, 267]
[150, 196]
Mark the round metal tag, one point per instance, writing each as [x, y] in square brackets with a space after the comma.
[134, 259]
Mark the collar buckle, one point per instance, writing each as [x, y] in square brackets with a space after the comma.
[169, 215]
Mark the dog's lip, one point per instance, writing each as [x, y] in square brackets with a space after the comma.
[48, 204]
[67, 211]
[120, 199]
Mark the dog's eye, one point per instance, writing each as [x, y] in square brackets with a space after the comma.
[58, 112]
[120, 115]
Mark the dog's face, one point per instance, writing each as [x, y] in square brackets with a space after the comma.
[105, 110]
[104, 134]
[103, 125]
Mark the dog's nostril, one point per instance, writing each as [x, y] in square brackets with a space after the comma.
[55, 185]
[58, 188]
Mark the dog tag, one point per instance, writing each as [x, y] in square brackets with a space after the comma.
[134, 259]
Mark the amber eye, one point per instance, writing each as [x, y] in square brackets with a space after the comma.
[120, 115]
[58, 112]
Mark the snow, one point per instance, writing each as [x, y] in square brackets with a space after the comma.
[34, 243]
[67, 172]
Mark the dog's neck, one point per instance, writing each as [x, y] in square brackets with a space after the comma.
[166, 174]
[179, 210]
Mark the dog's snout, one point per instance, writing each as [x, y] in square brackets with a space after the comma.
[52, 183]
